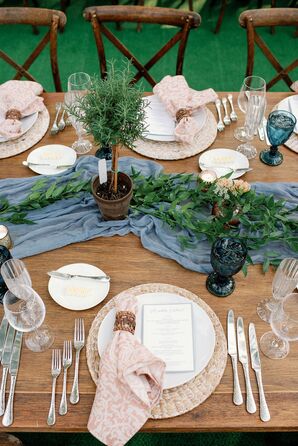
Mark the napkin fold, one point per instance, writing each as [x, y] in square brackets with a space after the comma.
[129, 383]
[17, 100]
[181, 101]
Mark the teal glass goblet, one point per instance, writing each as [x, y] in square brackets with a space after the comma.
[280, 126]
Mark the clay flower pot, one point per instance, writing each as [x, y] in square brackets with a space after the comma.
[114, 209]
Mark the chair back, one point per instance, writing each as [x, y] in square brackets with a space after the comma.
[54, 20]
[184, 20]
[255, 18]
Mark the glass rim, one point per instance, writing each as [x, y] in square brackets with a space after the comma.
[19, 298]
[254, 77]
[274, 112]
[76, 74]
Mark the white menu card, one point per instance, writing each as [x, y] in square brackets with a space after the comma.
[168, 334]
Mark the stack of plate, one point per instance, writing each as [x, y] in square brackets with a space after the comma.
[290, 104]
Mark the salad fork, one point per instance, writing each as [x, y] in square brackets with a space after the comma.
[233, 114]
[55, 372]
[66, 363]
[61, 123]
[55, 129]
[220, 124]
[226, 119]
[79, 342]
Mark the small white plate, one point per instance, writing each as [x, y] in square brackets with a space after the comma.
[161, 125]
[223, 157]
[290, 104]
[53, 153]
[77, 293]
[27, 122]
[203, 334]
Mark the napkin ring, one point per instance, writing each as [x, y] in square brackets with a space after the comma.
[14, 114]
[125, 321]
[182, 113]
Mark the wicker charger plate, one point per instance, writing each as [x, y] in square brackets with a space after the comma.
[184, 398]
[29, 139]
[174, 150]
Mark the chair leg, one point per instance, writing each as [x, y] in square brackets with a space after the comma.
[190, 5]
[9, 440]
[221, 15]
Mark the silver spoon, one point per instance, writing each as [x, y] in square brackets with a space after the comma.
[226, 118]
[220, 124]
[233, 114]
[55, 129]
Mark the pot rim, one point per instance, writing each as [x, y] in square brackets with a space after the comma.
[119, 200]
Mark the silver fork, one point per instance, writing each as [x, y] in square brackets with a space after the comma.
[55, 129]
[61, 123]
[220, 124]
[79, 342]
[233, 114]
[226, 118]
[66, 363]
[55, 371]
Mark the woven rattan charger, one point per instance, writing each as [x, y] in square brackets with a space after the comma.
[184, 398]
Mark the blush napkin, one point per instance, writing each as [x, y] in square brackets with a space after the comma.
[129, 385]
[180, 101]
[17, 100]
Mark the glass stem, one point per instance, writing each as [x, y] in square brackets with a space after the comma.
[273, 150]
[272, 303]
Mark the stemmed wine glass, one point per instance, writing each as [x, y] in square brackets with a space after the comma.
[284, 324]
[25, 311]
[15, 273]
[284, 282]
[77, 87]
[4, 256]
[280, 126]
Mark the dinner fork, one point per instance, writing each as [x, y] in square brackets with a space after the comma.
[55, 372]
[61, 123]
[226, 119]
[233, 114]
[66, 363]
[79, 342]
[55, 129]
[220, 124]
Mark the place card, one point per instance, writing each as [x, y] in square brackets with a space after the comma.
[102, 171]
[168, 334]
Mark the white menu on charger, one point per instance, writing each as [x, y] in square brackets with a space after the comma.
[168, 334]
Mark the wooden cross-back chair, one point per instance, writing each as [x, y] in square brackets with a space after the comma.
[184, 20]
[256, 18]
[54, 20]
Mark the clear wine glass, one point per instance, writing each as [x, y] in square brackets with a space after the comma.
[284, 282]
[25, 311]
[284, 324]
[251, 86]
[77, 87]
[15, 273]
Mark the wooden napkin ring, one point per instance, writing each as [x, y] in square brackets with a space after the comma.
[182, 113]
[13, 113]
[125, 321]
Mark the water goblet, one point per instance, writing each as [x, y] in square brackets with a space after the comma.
[4, 256]
[77, 87]
[284, 282]
[284, 324]
[228, 255]
[25, 311]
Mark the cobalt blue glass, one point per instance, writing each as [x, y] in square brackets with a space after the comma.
[228, 255]
[280, 126]
[104, 153]
[4, 255]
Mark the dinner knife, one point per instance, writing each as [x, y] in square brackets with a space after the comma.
[232, 351]
[54, 166]
[265, 132]
[67, 276]
[3, 329]
[243, 358]
[5, 363]
[7, 419]
[256, 365]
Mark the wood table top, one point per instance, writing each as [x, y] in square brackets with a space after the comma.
[129, 264]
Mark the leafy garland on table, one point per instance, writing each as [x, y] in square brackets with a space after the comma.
[177, 200]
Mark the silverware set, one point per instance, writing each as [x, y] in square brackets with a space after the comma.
[229, 117]
[242, 354]
[63, 362]
[10, 352]
[59, 124]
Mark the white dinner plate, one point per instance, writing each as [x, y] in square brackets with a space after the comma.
[290, 104]
[26, 123]
[203, 334]
[52, 153]
[161, 125]
[212, 159]
[78, 293]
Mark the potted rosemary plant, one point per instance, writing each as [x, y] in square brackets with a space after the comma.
[113, 112]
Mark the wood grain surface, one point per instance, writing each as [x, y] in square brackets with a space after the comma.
[129, 264]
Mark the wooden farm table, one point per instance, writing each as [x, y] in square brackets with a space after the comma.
[129, 264]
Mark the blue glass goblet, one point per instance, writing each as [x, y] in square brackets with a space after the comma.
[228, 255]
[280, 126]
[4, 256]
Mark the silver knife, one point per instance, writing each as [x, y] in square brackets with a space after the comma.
[265, 132]
[66, 276]
[243, 358]
[7, 419]
[54, 166]
[256, 365]
[232, 351]
[5, 363]
[3, 329]
[261, 132]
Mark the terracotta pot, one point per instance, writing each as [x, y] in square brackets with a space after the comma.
[217, 212]
[113, 209]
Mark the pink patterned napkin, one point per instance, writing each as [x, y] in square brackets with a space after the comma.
[294, 86]
[17, 100]
[180, 101]
[129, 383]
